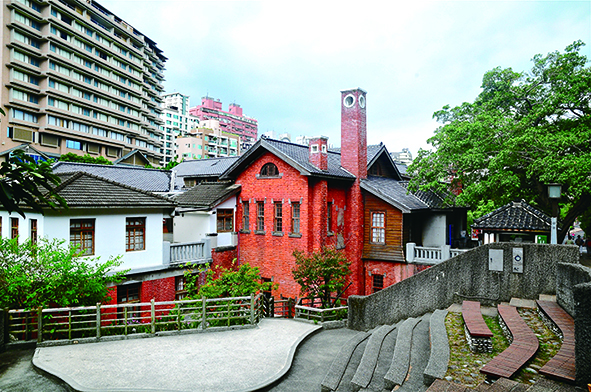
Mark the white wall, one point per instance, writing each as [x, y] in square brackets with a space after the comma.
[191, 226]
[434, 230]
[109, 233]
[225, 239]
[24, 225]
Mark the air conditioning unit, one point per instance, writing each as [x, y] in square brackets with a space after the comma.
[23, 135]
[50, 140]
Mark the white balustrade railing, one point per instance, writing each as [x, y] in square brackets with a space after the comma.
[186, 252]
[430, 255]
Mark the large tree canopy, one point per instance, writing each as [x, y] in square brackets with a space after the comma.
[523, 132]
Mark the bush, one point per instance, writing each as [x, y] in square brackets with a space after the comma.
[49, 273]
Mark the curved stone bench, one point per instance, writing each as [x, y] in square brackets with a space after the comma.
[339, 365]
[439, 357]
[522, 349]
[478, 334]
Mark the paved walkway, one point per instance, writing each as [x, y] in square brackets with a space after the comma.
[239, 360]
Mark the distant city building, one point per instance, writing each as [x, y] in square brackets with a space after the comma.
[207, 141]
[177, 121]
[76, 78]
[403, 157]
[232, 121]
[177, 100]
[284, 137]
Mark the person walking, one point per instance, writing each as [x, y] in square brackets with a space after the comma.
[579, 242]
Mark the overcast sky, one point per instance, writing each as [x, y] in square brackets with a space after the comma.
[285, 62]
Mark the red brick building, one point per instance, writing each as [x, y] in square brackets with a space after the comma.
[298, 197]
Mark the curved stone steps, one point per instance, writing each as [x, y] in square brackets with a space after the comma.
[439, 357]
[373, 349]
[345, 384]
[401, 359]
[383, 363]
[339, 365]
[419, 356]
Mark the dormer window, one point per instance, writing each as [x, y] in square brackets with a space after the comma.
[269, 170]
[314, 147]
[376, 170]
[324, 148]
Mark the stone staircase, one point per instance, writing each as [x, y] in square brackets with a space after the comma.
[410, 356]
[399, 357]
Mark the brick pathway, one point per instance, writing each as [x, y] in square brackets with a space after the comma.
[562, 365]
[524, 346]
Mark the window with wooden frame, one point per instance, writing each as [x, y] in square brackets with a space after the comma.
[33, 230]
[278, 221]
[295, 218]
[269, 170]
[378, 227]
[245, 215]
[225, 219]
[329, 217]
[129, 294]
[180, 287]
[13, 228]
[260, 216]
[82, 235]
[135, 234]
[376, 170]
[377, 282]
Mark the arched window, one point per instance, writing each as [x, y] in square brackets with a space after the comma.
[269, 170]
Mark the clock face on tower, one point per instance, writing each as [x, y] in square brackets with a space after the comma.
[361, 101]
[349, 100]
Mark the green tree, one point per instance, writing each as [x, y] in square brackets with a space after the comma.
[26, 184]
[86, 158]
[524, 130]
[49, 273]
[228, 282]
[321, 273]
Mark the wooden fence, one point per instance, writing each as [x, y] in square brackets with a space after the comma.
[125, 319]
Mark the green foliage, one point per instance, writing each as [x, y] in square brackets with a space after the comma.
[585, 221]
[171, 164]
[321, 273]
[51, 274]
[24, 183]
[522, 132]
[71, 157]
[228, 282]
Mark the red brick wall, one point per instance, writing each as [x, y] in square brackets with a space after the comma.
[224, 259]
[393, 272]
[273, 254]
[159, 289]
[354, 135]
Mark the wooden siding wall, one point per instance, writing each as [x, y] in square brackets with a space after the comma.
[392, 250]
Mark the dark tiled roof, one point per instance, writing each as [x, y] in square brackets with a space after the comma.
[372, 151]
[152, 180]
[517, 215]
[28, 149]
[432, 199]
[294, 154]
[129, 154]
[207, 195]
[84, 190]
[393, 192]
[204, 167]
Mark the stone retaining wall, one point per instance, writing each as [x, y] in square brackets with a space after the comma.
[466, 276]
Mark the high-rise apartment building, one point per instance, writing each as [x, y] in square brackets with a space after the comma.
[77, 78]
[207, 141]
[178, 101]
[232, 121]
[177, 121]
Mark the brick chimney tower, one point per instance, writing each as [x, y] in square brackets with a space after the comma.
[354, 132]
[318, 152]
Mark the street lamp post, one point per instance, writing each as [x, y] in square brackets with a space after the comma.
[554, 191]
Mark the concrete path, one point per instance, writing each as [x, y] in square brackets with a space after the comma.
[239, 360]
